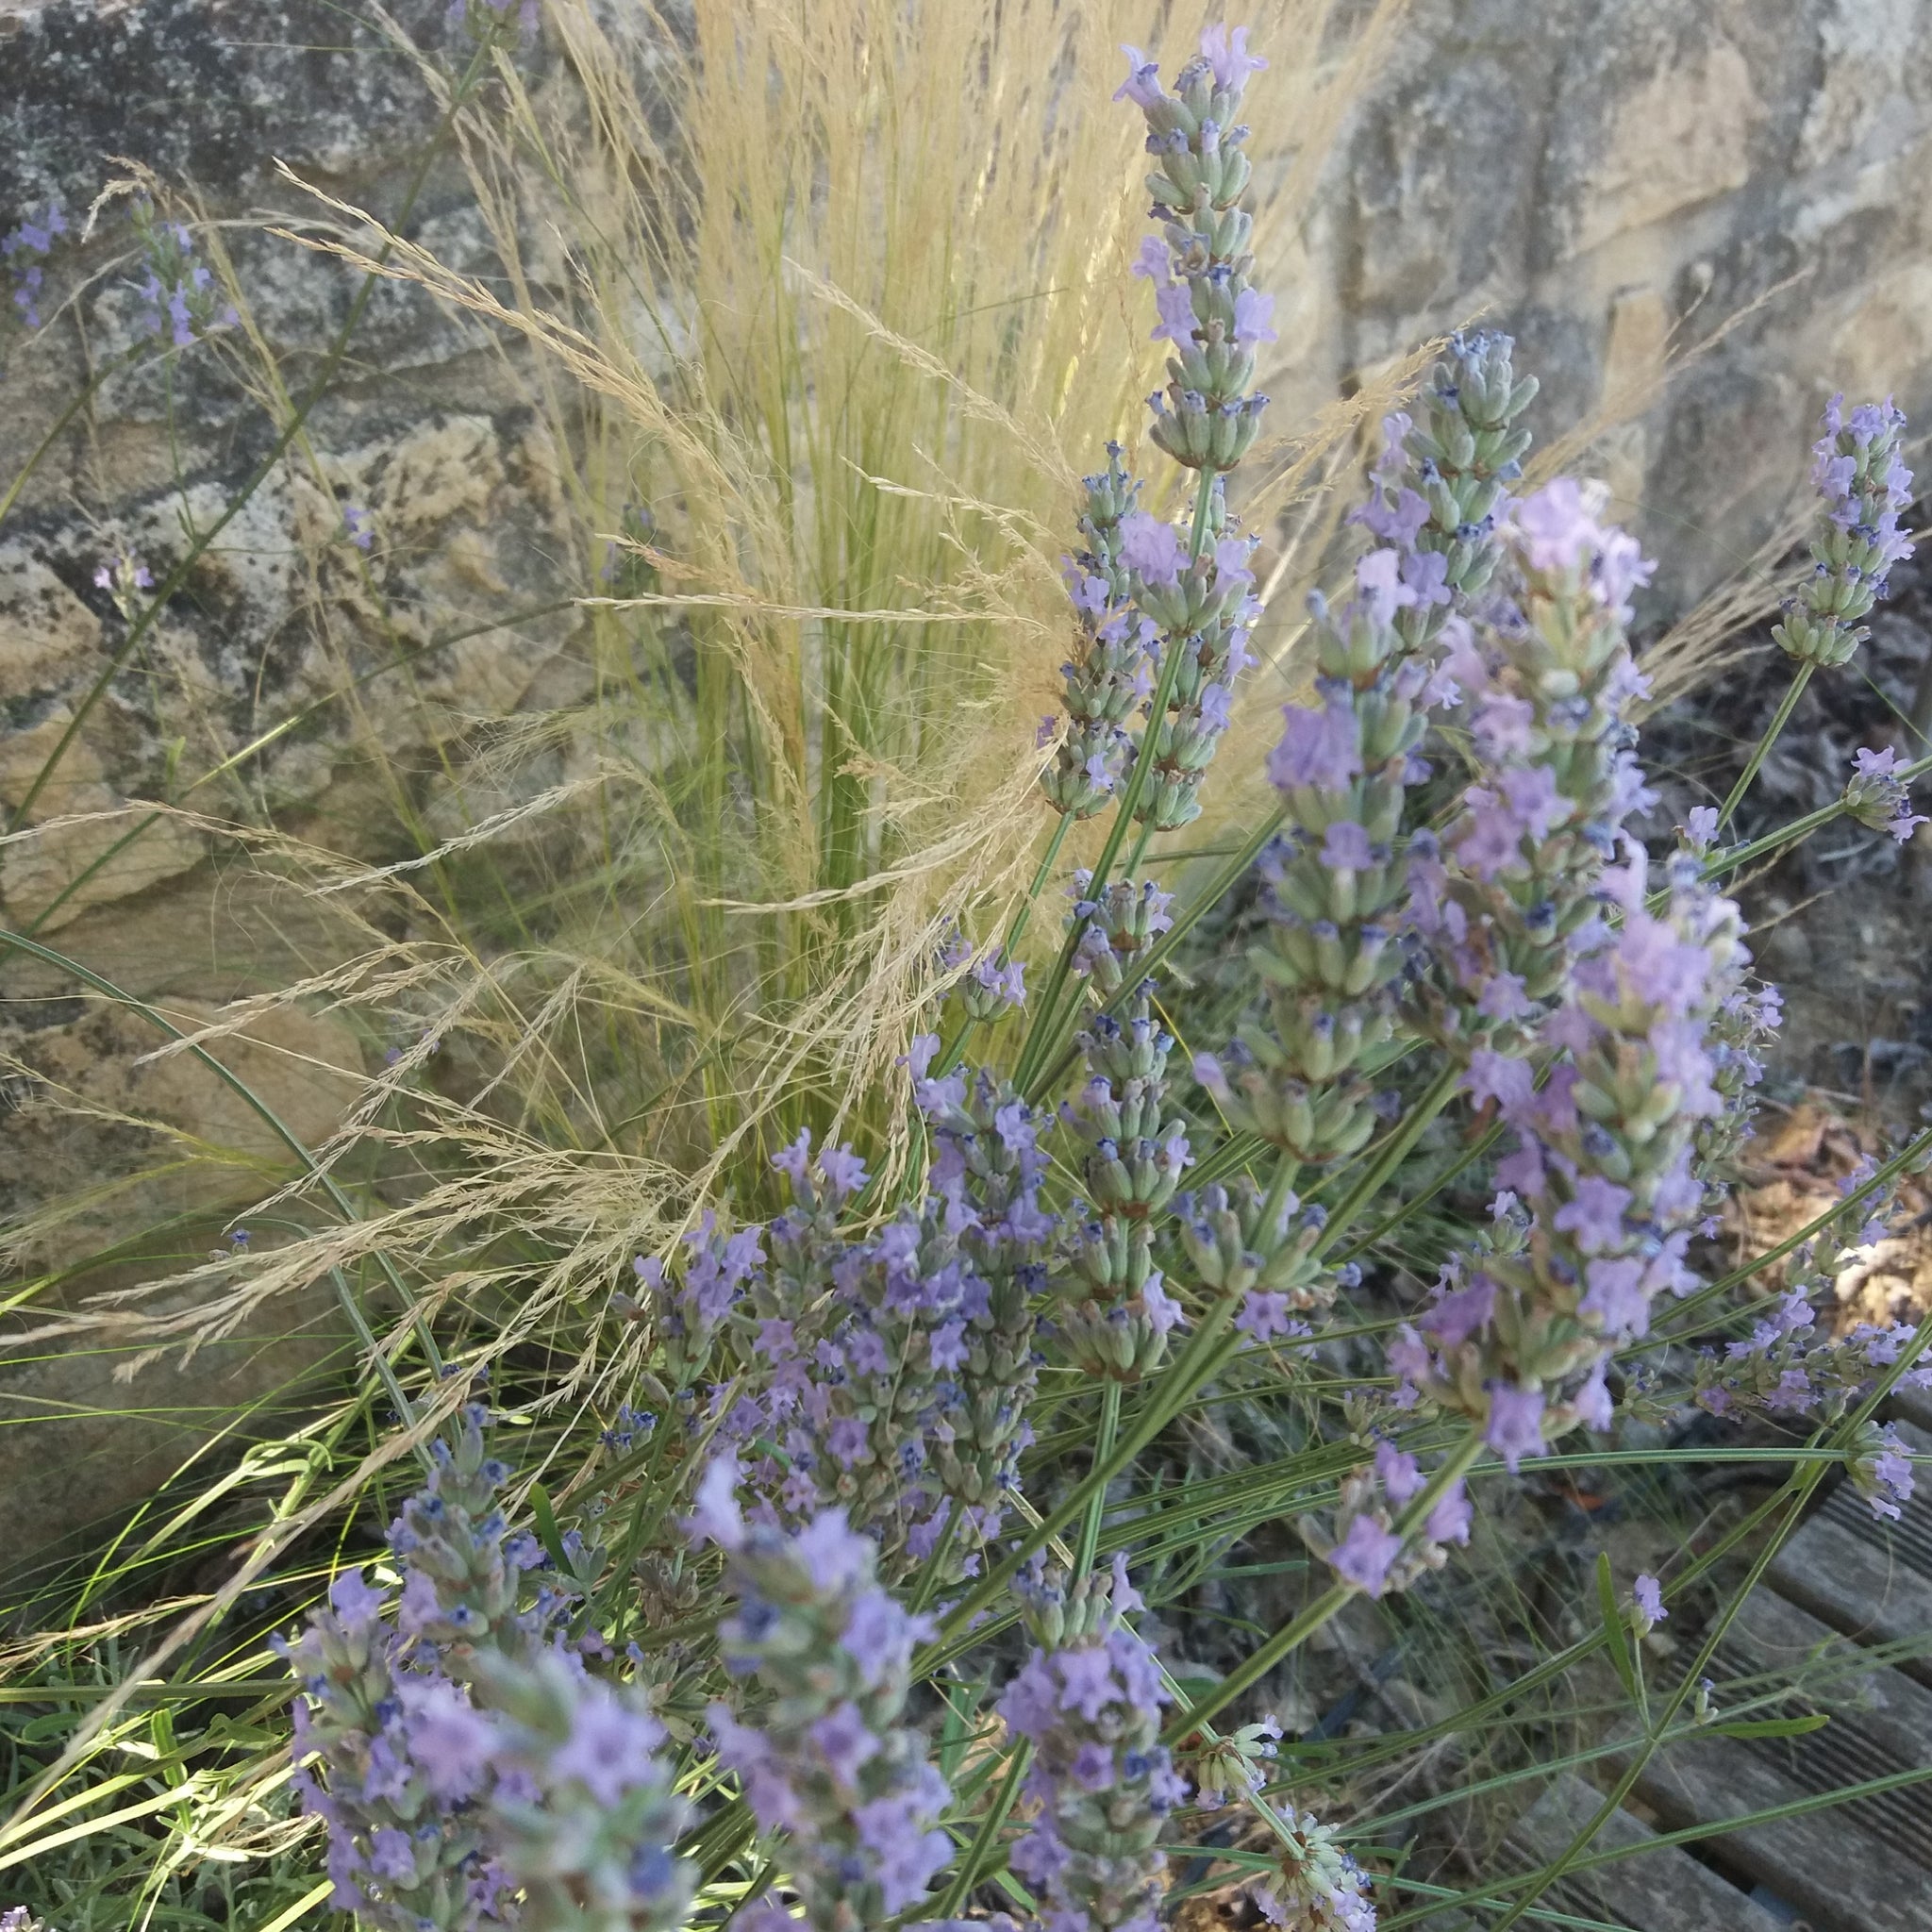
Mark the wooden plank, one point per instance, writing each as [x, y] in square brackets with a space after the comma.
[1868, 1578]
[1843, 1868]
[1889, 1715]
[1663, 1890]
[1915, 1406]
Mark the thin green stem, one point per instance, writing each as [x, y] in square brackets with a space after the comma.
[1162, 949]
[1207, 1350]
[973, 1864]
[1297, 1631]
[1799, 1487]
[1779, 720]
[88, 390]
[1733, 857]
[1394, 1151]
[1017, 931]
[351, 1307]
[1096, 1506]
[1042, 872]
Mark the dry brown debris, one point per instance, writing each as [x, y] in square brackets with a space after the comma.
[1794, 1179]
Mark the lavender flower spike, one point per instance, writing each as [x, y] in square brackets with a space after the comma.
[401, 1754]
[1876, 795]
[1864, 483]
[1208, 311]
[1089, 1700]
[1317, 1885]
[822, 1756]
[1336, 889]
[1133, 1153]
[1195, 592]
[1440, 488]
[1108, 675]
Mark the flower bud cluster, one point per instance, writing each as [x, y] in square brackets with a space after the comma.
[1864, 483]
[1317, 1885]
[1090, 1699]
[880, 1378]
[471, 1771]
[990, 989]
[1299, 1077]
[1878, 797]
[1363, 1548]
[1784, 1367]
[1881, 1470]
[1201, 263]
[1739, 1030]
[716, 1269]
[583, 1811]
[1200, 608]
[986, 1170]
[1512, 898]
[402, 1758]
[822, 1755]
[1233, 1768]
[1437, 495]
[1115, 930]
[22, 249]
[895, 1369]
[182, 301]
[462, 1565]
[1132, 1156]
[1240, 1245]
[1602, 1161]
[1109, 674]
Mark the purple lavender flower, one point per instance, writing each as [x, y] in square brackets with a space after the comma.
[1089, 1700]
[1876, 795]
[1319, 747]
[1515, 1424]
[181, 302]
[1133, 1153]
[461, 1752]
[22, 250]
[1440, 490]
[990, 988]
[1363, 1556]
[822, 1758]
[1105, 679]
[1864, 484]
[1882, 1472]
[390, 1760]
[1195, 594]
[1211, 315]
[1152, 550]
[1365, 1548]
[1649, 1597]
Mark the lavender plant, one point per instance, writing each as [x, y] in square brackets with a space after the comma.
[823, 1756]
[467, 1768]
[1863, 484]
[24, 250]
[885, 1385]
[1089, 1701]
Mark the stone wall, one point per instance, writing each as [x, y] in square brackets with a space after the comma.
[1605, 178]
[1609, 178]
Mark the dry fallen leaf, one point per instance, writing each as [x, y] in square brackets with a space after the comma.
[1793, 1177]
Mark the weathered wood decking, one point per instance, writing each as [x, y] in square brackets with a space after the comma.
[1843, 1586]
